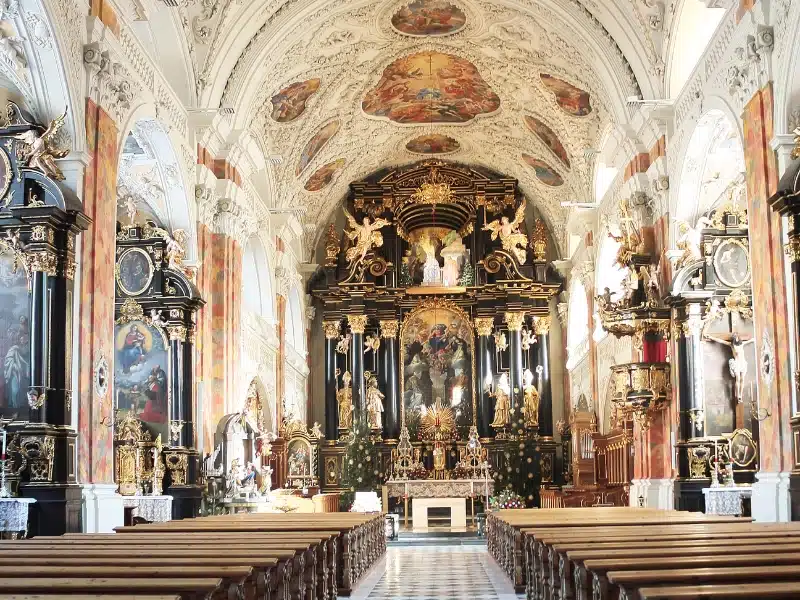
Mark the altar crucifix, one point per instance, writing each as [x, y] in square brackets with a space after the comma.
[738, 363]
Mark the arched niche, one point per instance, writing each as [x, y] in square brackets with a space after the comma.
[694, 26]
[257, 288]
[150, 176]
[713, 162]
[577, 324]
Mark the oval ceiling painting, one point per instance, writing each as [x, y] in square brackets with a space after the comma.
[430, 87]
[315, 144]
[290, 102]
[433, 143]
[544, 172]
[324, 175]
[429, 17]
[571, 99]
[548, 136]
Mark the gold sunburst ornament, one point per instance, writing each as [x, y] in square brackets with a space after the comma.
[438, 422]
[434, 191]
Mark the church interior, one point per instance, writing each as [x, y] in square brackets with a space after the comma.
[488, 299]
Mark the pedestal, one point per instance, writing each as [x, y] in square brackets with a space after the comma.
[102, 509]
[457, 506]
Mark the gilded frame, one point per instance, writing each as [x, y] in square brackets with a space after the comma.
[150, 271]
[5, 185]
[435, 304]
[718, 271]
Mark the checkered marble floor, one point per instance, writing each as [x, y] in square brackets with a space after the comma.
[436, 573]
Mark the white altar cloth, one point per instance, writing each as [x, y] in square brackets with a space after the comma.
[14, 515]
[726, 500]
[439, 488]
[156, 509]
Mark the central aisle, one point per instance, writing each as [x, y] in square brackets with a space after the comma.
[436, 573]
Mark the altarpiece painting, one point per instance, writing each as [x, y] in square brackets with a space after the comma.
[14, 338]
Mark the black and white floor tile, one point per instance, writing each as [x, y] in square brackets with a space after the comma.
[436, 573]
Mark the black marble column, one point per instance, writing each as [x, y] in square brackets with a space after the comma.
[177, 407]
[690, 356]
[541, 328]
[188, 388]
[515, 320]
[485, 367]
[391, 380]
[358, 323]
[42, 280]
[331, 404]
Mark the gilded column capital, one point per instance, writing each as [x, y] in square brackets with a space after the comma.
[484, 325]
[358, 323]
[541, 325]
[177, 333]
[331, 329]
[389, 328]
[514, 320]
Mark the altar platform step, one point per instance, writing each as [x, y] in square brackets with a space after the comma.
[438, 536]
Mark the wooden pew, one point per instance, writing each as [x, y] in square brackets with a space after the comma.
[627, 583]
[202, 588]
[773, 591]
[91, 597]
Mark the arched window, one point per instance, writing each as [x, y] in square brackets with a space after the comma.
[295, 322]
[256, 282]
[577, 324]
[603, 178]
[694, 27]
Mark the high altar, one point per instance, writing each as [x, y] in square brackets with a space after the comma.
[436, 310]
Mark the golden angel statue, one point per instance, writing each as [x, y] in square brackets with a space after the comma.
[530, 407]
[372, 343]
[502, 404]
[176, 248]
[652, 289]
[374, 404]
[344, 396]
[513, 240]
[365, 237]
[689, 241]
[39, 151]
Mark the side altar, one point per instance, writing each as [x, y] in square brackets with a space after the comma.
[436, 305]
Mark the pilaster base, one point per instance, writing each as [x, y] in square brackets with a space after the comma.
[657, 493]
[102, 508]
[771, 501]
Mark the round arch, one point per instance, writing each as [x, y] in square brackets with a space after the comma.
[712, 162]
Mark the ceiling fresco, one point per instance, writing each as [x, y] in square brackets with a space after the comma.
[431, 87]
[433, 144]
[429, 17]
[290, 102]
[323, 176]
[544, 172]
[571, 99]
[463, 73]
[548, 137]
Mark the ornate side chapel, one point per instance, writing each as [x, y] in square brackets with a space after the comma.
[436, 312]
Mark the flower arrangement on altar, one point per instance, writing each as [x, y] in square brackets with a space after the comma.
[506, 499]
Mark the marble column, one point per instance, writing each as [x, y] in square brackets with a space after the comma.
[541, 328]
[690, 358]
[331, 329]
[358, 323]
[515, 320]
[391, 380]
[177, 408]
[485, 368]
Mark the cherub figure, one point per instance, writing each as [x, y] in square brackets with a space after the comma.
[652, 289]
[689, 241]
[176, 248]
[39, 151]
[512, 239]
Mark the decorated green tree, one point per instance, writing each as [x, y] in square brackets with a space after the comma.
[361, 466]
[521, 473]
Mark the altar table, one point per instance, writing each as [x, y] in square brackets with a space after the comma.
[14, 516]
[438, 488]
[156, 509]
[726, 500]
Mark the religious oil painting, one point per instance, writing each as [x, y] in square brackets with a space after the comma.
[430, 87]
[429, 17]
[548, 137]
[572, 100]
[433, 144]
[544, 172]
[315, 144]
[15, 338]
[437, 356]
[135, 271]
[290, 102]
[324, 175]
[141, 374]
[732, 263]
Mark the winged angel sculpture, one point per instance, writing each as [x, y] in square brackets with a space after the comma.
[365, 237]
[512, 239]
[40, 151]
